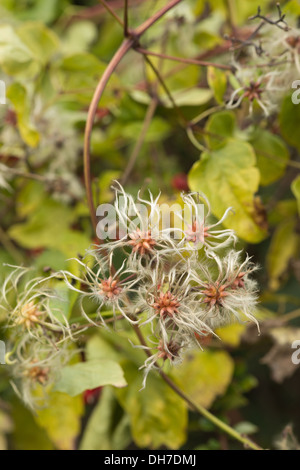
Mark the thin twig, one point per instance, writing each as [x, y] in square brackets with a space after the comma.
[281, 18]
[167, 91]
[126, 33]
[157, 16]
[231, 13]
[111, 11]
[195, 406]
[92, 325]
[184, 60]
[193, 140]
[126, 45]
[137, 148]
[33, 176]
[121, 52]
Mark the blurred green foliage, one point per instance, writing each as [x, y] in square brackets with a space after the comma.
[52, 55]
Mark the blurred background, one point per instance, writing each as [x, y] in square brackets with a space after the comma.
[155, 119]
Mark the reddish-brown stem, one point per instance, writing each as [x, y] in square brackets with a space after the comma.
[126, 45]
[148, 23]
[184, 60]
[124, 48]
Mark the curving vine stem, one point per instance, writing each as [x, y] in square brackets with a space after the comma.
[131, 41]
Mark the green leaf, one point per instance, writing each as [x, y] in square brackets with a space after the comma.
[53, 259]
[188, 97]
[284, 246]
[229, 178]
[105, 429]
[41, 41]
[289, 119]
[77, 71]
[18, 96]
[15, 57]
[204, 375]
[42, 11]
[231, 334]
[285, 209]
[35, 437]
[48, 227]
[99, 349]
[246, 428]
[293, 7]
[296, 190]
[158, 130]
[272, 156]
[158, 416]
[184, 97]
[217, 82]
[62, 419]
[220, 128]
[61, 307]
[29, 198]
[83, 376]
[79, 36]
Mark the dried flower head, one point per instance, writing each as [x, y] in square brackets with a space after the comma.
[179, 288]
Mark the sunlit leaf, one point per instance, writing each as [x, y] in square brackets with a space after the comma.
[220, 128]
[77, 378]
[158, 417]
[229, 178]
[62, 419]
[217, 82]
[18, 96]
[204, 375]
[40, 40]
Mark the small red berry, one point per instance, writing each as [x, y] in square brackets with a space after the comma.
[180, 182]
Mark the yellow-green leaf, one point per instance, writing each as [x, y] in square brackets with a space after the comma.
[217, 82]
[35, 438]
[219, 129]
[15, 57]
[82, 376]
[296, 190]
[204, 375]
[284, 246]
[272, 156]
[18, 96]
[231, 334]
[40, 40]
[62, 419]
[229, 178]
[188, 97]
[158, 417]
[289, 119]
